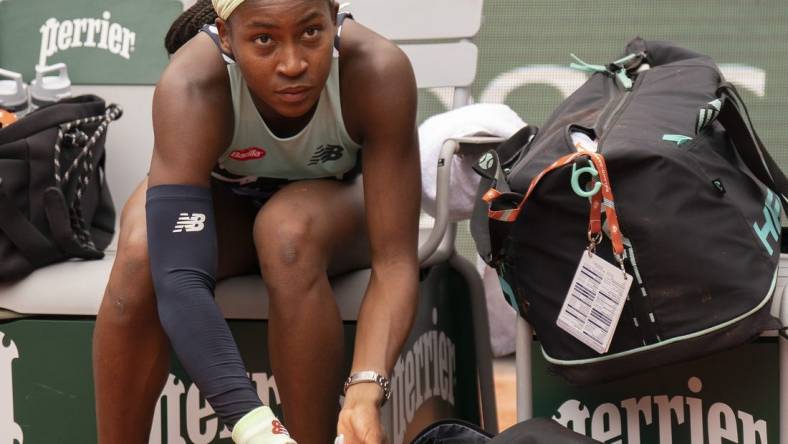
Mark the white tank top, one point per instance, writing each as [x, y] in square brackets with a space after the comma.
[322, 148]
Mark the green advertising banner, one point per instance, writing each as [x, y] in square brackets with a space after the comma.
[46, 382]
[730, 397]
[101, 42]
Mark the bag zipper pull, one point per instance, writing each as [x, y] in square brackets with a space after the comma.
[586, 67]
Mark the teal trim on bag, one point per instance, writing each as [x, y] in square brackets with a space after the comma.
[678, 139]
[507, 291]
[669, 341]
[624, 59]
[771, 213]
[586, 67]
[624, 79]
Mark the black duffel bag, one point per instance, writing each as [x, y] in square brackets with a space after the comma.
[663, 146]
[54, 199]
[532, 431]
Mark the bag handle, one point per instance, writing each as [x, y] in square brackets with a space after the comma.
[69, 228]
[62, 221]
[736, 120]
[489, 238]
[603, 198]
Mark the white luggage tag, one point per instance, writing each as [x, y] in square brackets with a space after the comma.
[594, 302]
[598, 292]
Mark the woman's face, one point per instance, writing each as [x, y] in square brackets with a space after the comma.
[284, 50]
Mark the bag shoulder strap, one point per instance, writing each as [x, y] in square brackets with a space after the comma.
[735, 118]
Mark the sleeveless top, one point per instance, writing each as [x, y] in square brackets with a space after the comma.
[322, 149]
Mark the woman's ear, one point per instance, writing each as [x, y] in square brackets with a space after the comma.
[224, 35]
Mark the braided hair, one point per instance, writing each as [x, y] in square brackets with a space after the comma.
[188, 24]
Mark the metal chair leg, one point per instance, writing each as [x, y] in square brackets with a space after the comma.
[783, 389]
[523, 344]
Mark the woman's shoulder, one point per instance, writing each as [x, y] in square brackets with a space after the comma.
[194, 84]
[372, 68]
[197, 64]
[366, 52]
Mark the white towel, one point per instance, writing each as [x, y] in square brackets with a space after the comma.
[472, 120]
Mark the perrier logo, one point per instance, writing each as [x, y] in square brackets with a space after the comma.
[100, 33]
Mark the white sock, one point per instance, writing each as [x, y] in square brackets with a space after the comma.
[260, 426]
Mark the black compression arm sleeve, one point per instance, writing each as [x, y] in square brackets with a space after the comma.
[182, 248]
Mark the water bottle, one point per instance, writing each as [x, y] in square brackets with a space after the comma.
[48, 89]
[13, 96]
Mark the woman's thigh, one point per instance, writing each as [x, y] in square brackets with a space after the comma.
[234, 227]
[334, 212]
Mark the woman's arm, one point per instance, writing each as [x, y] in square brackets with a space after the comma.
[192, 115]
[385, 92]
[192, 122]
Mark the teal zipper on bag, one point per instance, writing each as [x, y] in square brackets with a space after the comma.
[678, 139]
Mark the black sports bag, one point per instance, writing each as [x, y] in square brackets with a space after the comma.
[660, 144]
[54, 199]
[532, 431]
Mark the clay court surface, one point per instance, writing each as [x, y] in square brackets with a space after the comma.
[505, 402]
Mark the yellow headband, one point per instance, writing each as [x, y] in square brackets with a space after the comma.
[224, 8]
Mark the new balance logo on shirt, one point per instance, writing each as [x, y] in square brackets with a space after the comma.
[193, 222]
[326, 153]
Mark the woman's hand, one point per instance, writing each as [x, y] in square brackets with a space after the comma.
[359, 420]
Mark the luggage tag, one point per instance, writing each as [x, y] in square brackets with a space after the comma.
[599, 290]
[594, 302]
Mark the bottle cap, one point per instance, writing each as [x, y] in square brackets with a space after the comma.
[48, 89]
[13, 91]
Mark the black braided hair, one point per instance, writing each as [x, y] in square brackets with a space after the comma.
[188, 24]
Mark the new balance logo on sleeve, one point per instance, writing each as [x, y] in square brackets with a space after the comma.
[195, 222]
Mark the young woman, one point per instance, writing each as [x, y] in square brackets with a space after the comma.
[259, 126]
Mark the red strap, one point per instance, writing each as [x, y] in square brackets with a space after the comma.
[595, 220]
[605, 198]
[491, 195]
[608, 203]
[512, 214]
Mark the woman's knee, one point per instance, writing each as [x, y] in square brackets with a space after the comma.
[289, 244]
[129, 296]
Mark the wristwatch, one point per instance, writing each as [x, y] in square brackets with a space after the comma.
[370, 376]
